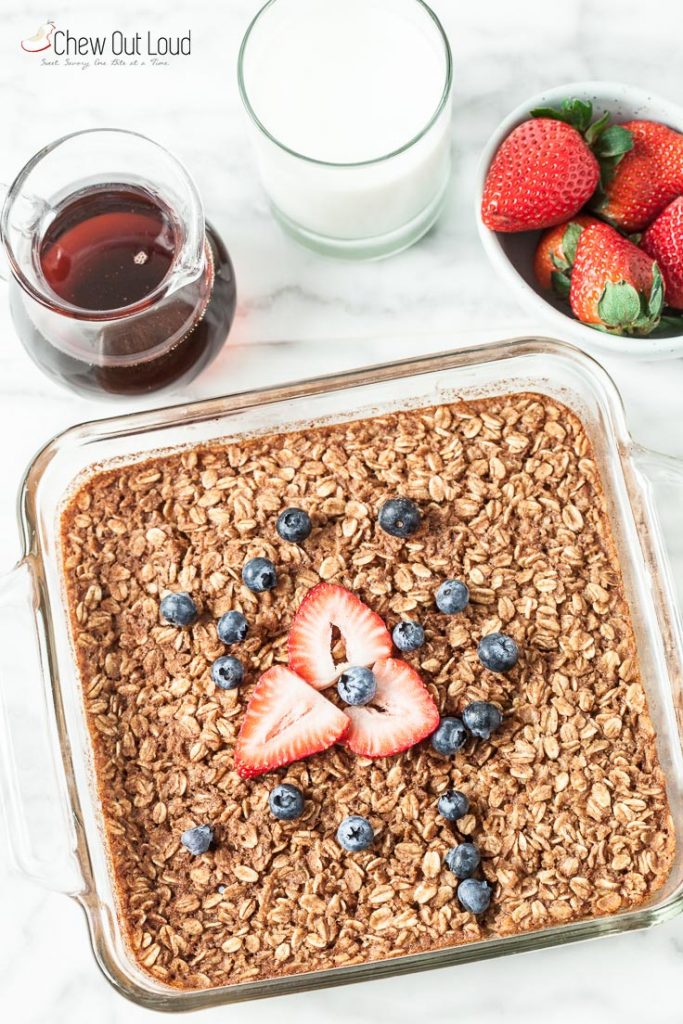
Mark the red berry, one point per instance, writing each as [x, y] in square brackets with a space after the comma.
[542, 175]
[365, 636]
[663, 240]
[286, 720]
[615, 285]
[400, 714]
[646, 179]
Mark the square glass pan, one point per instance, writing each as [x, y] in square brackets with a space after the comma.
[53, 815]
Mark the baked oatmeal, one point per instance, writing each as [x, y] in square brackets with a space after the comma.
[567, 803]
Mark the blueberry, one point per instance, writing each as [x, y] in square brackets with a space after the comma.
[453, 805]
[232, 628]
[408, 636]
[452, 597]
[294, 525]
[400, 517]
[463, 860]
[449, 736]
[179, 609]
[357, 685]
[197, 840]
[286, 802]
[474, 896]
[259, 575]
[355, 833]
[227, 672]
[482, 718]
[498, 653]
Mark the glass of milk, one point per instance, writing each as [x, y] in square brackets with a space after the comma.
[349, 105]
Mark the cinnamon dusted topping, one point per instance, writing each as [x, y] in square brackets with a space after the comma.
[567, 799]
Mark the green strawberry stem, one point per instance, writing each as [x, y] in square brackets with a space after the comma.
[561, 276]
[561, 283]
[609, 142]
[624, 310]
[577, 113]
[570, 240]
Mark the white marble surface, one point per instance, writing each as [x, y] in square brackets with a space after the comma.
[290, 303]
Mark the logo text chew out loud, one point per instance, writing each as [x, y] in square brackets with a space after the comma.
[120, 44]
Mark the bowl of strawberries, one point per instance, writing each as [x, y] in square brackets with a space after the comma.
[580, 208]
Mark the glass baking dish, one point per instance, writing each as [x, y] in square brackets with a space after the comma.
[52, 813]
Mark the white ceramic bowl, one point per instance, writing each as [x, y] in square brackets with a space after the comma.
[512, 254]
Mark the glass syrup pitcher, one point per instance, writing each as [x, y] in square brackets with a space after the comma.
[117, 285]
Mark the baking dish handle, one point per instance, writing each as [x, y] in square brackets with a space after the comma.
[663, 479]
[33, 792]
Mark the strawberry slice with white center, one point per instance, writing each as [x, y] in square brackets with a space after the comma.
[400, 714]
[365, 636]
[286, 719]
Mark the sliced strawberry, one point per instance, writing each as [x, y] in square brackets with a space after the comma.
[286, 719]
[366, 637]
[401, 713]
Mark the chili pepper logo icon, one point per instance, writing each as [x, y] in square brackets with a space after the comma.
[41, 40]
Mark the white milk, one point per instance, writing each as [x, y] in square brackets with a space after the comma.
[342, 83]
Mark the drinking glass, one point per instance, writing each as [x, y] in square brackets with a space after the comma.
[376, 203]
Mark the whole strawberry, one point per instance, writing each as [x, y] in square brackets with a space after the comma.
[646, 180]
[548, 168]
[663, 240]
[555, 254]
[615, 287]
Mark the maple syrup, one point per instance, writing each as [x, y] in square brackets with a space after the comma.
[107, 257]
[107, 249]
